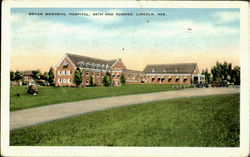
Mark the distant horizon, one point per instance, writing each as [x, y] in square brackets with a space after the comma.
[171, 35]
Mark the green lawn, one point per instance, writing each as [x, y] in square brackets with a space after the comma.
[53, 95]
[211, 121]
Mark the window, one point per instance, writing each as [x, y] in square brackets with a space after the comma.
[59, 80]
[93, 74]
[153, 79]
[103, 66]
[153, 70]
[93, 65]
[69, 80]
[65, 64]
[87, 82]
[87, 73]
[98, 74]
[185, 79]
[164, 70]
[69, 72]
[176, 70]
[177, 79]
[64, 81]
[98, 66]
[59, 72]
[107, 67]
[118, 76]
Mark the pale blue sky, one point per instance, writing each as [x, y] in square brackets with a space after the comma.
[180, 31]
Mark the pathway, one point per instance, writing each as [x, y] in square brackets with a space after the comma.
[32, 116]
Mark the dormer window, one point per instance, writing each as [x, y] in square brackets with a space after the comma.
[98, 66]
[176, 70]
[93, 65]
[164, 70]
[107, 67]
[103, 66]
[153, 70]
[87, 65]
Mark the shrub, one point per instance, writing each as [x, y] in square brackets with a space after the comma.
[32, 90]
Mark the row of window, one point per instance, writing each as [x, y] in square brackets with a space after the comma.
[93, 65]
[169, 80]
[60, 80]
[64, 72]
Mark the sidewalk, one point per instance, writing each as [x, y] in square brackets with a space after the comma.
[32, 116]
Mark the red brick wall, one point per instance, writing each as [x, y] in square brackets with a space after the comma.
[63, 76]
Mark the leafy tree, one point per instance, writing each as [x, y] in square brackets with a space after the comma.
[107, 80]
[122, 79]
[224, 72]
[18, 76]
[51, 76]
[208, 76]
[91, 81]
[12, 76]
[36, 75]
[78, 76]
[45, 76]
[236, 75]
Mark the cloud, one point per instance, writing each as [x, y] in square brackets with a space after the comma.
[184, 28]
[227, 16]
[100, 17]
[31, 32]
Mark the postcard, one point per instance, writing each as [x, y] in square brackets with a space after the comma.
[125, 78]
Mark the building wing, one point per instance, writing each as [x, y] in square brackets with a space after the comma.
[183, 68]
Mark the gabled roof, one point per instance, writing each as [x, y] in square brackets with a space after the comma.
[132, 71]
[78, 61]
[27, 73]
[183, 68]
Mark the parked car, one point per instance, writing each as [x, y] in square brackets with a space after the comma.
[219, 84]
[201, 85]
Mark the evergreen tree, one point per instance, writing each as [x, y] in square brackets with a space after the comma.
[123, 79]
[107, 80]
[51, 76]
[92, 81]
[78, 76]
[12, 76]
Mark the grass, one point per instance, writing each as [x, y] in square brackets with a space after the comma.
[54, 95]
[211, 121]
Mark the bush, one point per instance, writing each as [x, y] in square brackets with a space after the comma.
[32, 90]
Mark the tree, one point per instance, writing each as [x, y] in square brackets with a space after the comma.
[51, 76]
[36, 75]
[12, 76]
[122, 79]
[236, 75]
[78, 76]
[208, 76]
[91, 82]
[107, 80]
[45, 76]
[18, 76]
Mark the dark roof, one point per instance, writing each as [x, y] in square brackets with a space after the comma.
[133, 71]
[182, 68]
[27, 73]
[82, 61]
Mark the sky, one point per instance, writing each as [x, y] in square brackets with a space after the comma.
[180, 36]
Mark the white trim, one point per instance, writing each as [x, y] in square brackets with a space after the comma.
[169, 74]
[132, 81]
[96, 70]
[115, 63]
[65, 56]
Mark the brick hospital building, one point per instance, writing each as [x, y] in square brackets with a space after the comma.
[178, 74]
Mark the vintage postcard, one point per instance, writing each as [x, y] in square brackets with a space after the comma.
[116, 78]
